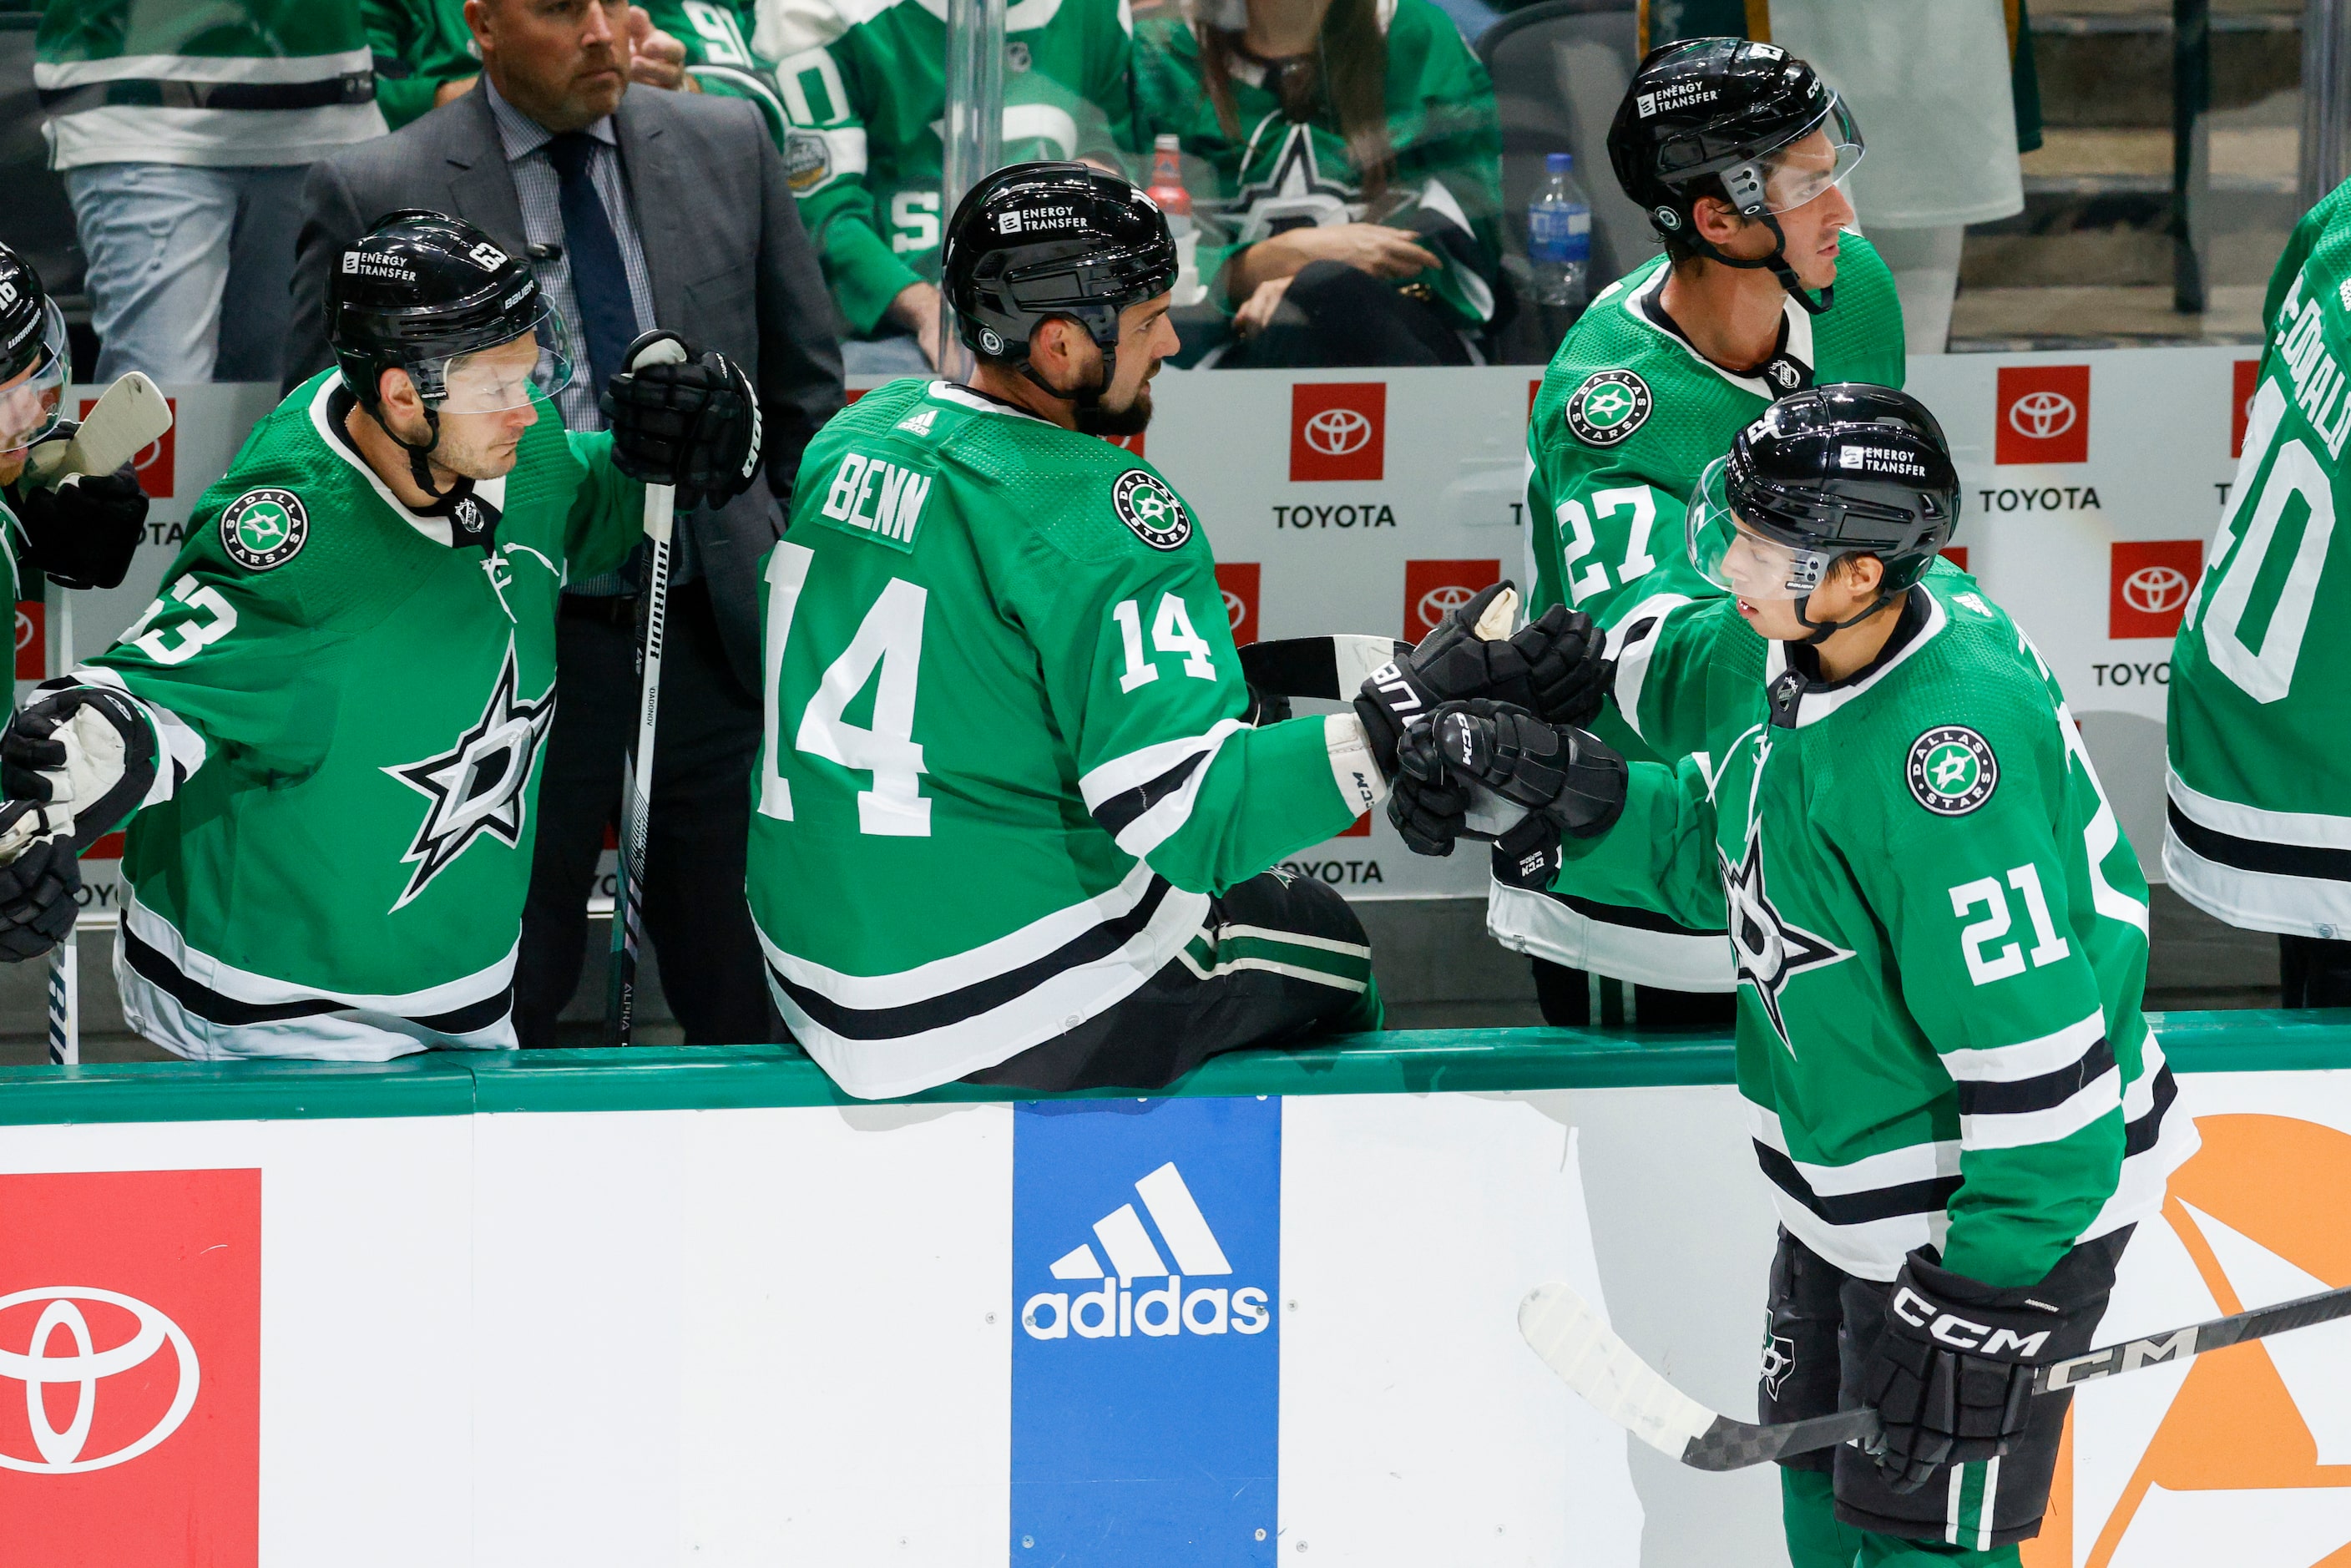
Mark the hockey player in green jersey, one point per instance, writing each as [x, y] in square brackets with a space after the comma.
[1941, 941]
[77, 532]
[2259, 828]
[1737, 152]
[327, 725]
[866, 155]
[1012, 823]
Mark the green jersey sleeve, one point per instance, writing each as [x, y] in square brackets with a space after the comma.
[1660, 853]
[1142, 677]
[418, 44]
[825, 89]
[608, 509]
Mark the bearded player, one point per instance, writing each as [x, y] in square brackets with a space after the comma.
[1737, 152]
[1007, 730]
[1941, 935]
[325, 730]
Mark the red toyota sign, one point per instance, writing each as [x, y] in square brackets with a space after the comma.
[1338, 430]
[157, 463]
[1431, 587]
[32, 644]
[2244, 377]
[1239, 580]
[2151, 585]
[2044, 414]
[130, 1368]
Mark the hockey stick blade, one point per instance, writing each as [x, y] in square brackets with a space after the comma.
[131, 415]
[1591, 1358]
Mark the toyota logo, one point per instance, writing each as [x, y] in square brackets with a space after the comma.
[1438, 602]
[2154, 590]
[85, 1366]
[1234, 609]
[2038, 416]
[24, 630]
[1336, 432]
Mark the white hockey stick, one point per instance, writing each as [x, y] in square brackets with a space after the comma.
[1576, 1343]
[637, 766]
[131, 415]
[65, 959]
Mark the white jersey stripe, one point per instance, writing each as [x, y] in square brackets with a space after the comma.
[2021, 1129]
[2027, 1059]
[2310, 829]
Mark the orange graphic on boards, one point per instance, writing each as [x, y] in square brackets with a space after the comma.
[2261, 1206]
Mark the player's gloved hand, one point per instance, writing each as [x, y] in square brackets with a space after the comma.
[1951, 1376]
[694, 424]
[37, 902]
[1521, 766]
[1428, 809]
[84, 532]
[84, 755]
[1568, 671]
[1453, 661]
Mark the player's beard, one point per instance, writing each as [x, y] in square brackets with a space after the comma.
[1100, 419]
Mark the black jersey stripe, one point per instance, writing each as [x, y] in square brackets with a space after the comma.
[1630, 918]
[1855, 1208]
[2255, 855]
[2143, 1134]
[981, 996]
[1118, 811]
[152, 964]
[1981, 1097]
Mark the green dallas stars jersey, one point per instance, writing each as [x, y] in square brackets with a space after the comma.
[349, 708]
[2259, 818]
[1628, 416]
[1005, 763]
[213, 82]
[1940, 932]
[1446, 184]
[867, 107]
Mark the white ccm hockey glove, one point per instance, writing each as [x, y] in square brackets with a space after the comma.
[74, 762]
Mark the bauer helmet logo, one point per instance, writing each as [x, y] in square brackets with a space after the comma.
[1337, 432]
[85, 1367]
[2156, 590]
[486, 257]
[2041, 415]
[989, 343]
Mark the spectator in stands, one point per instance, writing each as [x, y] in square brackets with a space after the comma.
[638, 209]
[866, 103]
[183, 128]
[1344, 163]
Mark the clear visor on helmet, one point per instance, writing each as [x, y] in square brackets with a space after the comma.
[490, 381]
[1801, 171]
[31, 400]
[1739, 558]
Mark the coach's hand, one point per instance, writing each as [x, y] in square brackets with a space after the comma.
[1951, 1376]
[693, 424]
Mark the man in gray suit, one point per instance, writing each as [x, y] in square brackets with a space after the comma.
[637, 208]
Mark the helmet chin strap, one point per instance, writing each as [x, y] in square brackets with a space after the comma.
[1819, 632]
[419, 469]
[1085, 397]
[1778, 264]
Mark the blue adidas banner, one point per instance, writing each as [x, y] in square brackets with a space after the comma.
[1146, 1370]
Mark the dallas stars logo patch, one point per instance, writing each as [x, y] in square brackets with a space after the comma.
[263, 528]
[1779, 1359]
[1608, 407]
[476, 786]
[1770, 950]
[1150, 509]
[1952, 770]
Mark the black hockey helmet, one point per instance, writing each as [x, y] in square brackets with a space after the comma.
[1844, 469]
[1036, 240]
[1711, 117]
[34, 362]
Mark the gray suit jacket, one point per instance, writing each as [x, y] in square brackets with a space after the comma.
[732, 269]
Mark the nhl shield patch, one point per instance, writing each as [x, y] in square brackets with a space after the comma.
[1152, 511]
[1608, 407]
[1952, 770]
[263, 528]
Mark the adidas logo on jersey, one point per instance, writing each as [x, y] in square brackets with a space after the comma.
[1113, 1309]
[919, 421]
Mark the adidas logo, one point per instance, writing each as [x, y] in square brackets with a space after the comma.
[919, 421]
[1113, 1310]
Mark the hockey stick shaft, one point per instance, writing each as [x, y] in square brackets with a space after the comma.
[1578, 1344]
[65, 961]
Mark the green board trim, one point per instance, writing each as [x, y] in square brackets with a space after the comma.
[720, 1078]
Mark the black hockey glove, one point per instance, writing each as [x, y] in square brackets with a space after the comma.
[693, 424]
[1951, 1376]
[84, 532]
[81, 757]
[1521, 765]
[37, 902]
[1568, 674]
[1428, 809]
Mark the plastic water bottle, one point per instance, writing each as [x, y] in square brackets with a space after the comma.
[1166, 188]
[1558, 235]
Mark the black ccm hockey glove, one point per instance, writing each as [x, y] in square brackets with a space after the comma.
[1555, 669]
[1951, 1376]
[693, 424]
[84, 532]
[38, 899]
[1529, 784]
